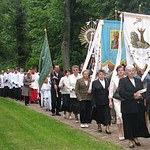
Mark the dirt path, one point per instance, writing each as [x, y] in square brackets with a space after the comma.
[92, 130]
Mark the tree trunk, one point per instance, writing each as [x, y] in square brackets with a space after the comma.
[20, 34]
[65, 47]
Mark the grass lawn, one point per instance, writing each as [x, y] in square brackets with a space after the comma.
[25, 129]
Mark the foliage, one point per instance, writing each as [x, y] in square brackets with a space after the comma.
[22, 27]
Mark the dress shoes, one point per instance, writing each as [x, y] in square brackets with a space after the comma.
[82, 125]
[86, 125]
[58, 114]
[53, 114]
[108, 132]
[99, 130]
[121, 138]
[137, 143]
[131, 145]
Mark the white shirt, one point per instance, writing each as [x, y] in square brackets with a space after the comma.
[72, 81]
[113, 86]
[21, 78]
[132, 81]
[102, 82]
[64, 85]
[15, 80]
[10, 80]
[5, 79]
[1, 81]
[34, 84]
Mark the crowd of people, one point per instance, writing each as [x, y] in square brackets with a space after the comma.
[71, 94]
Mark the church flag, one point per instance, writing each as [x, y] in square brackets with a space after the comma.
[137, 39]
[110, 43]
[45, 62]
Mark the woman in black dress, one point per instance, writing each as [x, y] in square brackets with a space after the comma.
[133, 108]
[148, 98]
[101, 102]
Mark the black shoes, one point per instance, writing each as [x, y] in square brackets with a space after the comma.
[108, 132]
[53, 114]
[131, 146]
[58, 114]
[99, 130]
[137, 143]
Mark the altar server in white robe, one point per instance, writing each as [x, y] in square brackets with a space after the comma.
[46, 95]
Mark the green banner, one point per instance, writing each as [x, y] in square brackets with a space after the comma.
[45, 62]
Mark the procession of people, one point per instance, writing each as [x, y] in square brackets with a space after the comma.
[70, 95]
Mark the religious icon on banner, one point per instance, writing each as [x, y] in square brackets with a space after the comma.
[86, 32]
[114, 39]
[136, 31]
[139, 42]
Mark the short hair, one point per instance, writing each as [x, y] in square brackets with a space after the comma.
[75, 66]
[67, 71]
[101, 70]
[129, 67]
[120, 66]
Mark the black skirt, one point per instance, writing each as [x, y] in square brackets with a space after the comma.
[101, 114]
[75, 105]
[135, 124]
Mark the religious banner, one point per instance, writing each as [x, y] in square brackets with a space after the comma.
[45, 62]
[110, 43]
[136, 29]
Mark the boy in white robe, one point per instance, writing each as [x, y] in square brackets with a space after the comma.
[46, 95]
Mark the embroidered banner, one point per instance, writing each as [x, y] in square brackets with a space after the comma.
[137, 39]
[110, 42]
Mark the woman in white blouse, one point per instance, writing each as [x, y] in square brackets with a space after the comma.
[117, 103]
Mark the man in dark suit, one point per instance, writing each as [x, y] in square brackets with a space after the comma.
[55, 92]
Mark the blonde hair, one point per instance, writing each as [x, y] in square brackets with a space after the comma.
[85, 71]
[75, 66]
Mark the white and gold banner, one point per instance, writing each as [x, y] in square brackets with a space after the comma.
[136, 28]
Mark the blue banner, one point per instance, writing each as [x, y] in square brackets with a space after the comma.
[110, 41]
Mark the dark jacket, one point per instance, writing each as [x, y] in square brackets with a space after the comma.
[100, 94]
[81, 90]
[126, 91]
[148, 93]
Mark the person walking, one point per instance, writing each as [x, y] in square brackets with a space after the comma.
[46, 95]
[133, 108]
[116, 102]
[65, 93]
[74, 102]
[26, 87]
[55, 91]
[101, 102]
[84, 97]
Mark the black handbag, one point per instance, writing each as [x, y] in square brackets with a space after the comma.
[117, 96]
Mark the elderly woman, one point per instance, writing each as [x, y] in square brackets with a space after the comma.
[117, 102]
[84, 96]
[100, 100]
[148, 98]
[132, 108]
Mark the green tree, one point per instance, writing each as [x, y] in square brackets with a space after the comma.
[19, 22]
